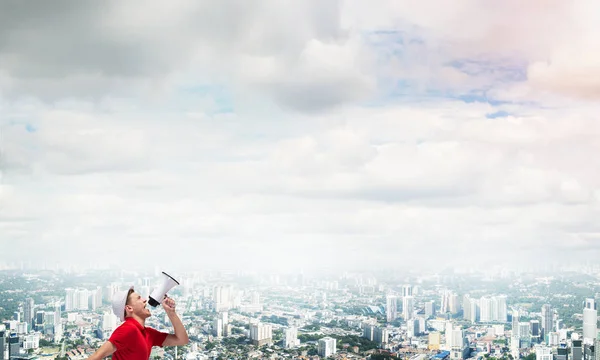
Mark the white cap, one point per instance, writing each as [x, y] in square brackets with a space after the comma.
[119, 300]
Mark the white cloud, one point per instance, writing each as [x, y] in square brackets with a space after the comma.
[337, 145]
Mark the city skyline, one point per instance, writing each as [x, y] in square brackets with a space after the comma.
[47, 313]
[306, 135]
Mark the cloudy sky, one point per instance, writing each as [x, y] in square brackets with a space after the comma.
[292, 134]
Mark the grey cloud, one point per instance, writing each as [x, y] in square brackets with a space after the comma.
[90, 50]
[314, 96]
[442, 195]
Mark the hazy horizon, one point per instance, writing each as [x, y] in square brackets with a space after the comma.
[266, 135]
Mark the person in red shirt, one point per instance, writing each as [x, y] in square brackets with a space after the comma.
[132, 340]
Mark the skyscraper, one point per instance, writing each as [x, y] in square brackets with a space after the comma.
[261, 334]
[515, 339]
[590, 319]
[222, 298]
[407, 290]
[453, 303]
[290, 339]
[391, 308]
[576, 348]
[429, 309]
[28, 315]
[327, 346]
[501, 308]
[535, 330]
[408, 307]
[547, 320]
[486, 313]
[3, 341]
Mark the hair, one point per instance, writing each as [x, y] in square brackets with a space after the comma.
[127, 302]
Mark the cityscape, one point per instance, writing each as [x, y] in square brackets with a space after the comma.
[447, 315]
[299, 180]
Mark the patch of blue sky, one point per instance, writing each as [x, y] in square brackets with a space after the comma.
[394, 45]
[505, 70]
[404, 48]
[478, 97]
[27, 124]
[221, 97]
[390, 37]
[497, 114]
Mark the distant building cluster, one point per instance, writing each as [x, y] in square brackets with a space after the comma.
[346, 318]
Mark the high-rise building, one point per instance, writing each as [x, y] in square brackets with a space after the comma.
[31, 341]
[434, 340]
[412, 328]
[449, 302]
[471, 309]
[486, 313]
[429, 309]
[407, 290]
[58, 330]
[596, 348]
[515, 323]
[368, 331]
[547, 321]
[38, 323]
[589, 352]
[453, 303]
[408, 307]
[391, 308]
[535, 330]
[28, 313]
[524, 335]
[13, 346]
[109, 321]
[515, 340]
[576, 349]
[448, 335]
[261, 334]
[467, 308]
[444, 302]
[95, 298]
[217, 329]
[290, 338]
[590, 319]
[381, 335]
[562, 352]
[221, 324]
[543, 352]
[83, 299]
[79, 299]
[222, 297]
[459, 348]
[501, 308]
[490, 309]
[327, 347]
[48, 327]
[3, 341]
[111, 289]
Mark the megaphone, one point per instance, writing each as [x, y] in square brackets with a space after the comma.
[159, 293]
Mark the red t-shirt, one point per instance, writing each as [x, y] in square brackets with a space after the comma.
[134, 341]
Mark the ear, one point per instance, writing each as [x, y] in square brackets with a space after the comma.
[128, 308]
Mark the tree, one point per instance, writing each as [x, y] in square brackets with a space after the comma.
[530, 357]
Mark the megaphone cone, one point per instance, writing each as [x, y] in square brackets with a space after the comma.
[159, 293]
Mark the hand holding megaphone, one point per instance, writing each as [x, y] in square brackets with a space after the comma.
[160, 293]
[168, 304]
